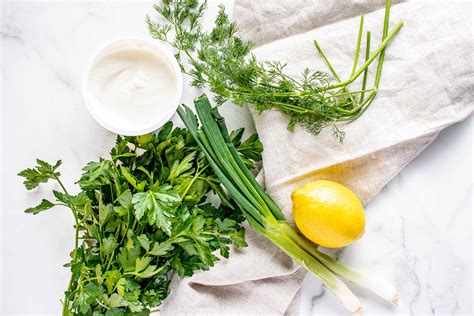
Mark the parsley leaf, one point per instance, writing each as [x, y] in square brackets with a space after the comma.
[41, 173]
[141, 217]
[43, 206]
[158, 205]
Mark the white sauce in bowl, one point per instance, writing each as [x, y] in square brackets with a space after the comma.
[133, 86]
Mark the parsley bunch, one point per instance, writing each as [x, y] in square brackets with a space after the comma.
[140, 217]
[222, 62]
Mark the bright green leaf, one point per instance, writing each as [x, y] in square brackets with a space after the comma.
[143, 239]
[111, 278]
[160, 249]
[115, 300]
[158, 206]
[43, 206]
[142, 263]
[108, 245]
[39, 174]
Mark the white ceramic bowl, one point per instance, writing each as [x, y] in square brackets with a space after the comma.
[155, 121]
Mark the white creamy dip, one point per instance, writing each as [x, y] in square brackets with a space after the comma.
[133, 86]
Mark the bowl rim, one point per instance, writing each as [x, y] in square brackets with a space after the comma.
[163, 51]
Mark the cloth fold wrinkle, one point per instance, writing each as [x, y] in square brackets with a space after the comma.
[311, 169]
[412, 106]
[267, 21]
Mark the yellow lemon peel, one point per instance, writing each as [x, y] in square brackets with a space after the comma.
[328, 213]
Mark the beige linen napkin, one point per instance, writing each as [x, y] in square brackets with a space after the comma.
[427, 85]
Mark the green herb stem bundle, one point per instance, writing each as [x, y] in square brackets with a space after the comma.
[263, 214]
[141, 217]
[221, 61]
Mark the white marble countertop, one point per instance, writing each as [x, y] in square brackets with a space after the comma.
[419, 228]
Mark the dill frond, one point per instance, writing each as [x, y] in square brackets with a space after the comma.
[222, 62]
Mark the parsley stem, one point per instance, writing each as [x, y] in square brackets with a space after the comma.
[101, 304]
[110, 260]
[111, 192]
[196, 176]
[76, 244]
[74, 213]
[60, 184]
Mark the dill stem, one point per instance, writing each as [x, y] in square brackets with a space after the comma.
[366, 72]
[357, 108]
[364, 105]
[378, 74]
[326, 60]
[329, 65]
[366, 64]
[350, 93]
[384, 36]
[300, 110]
[381, 52]
[371, 59]
[215, 61]
[362, 69]
[356, 57]
[359, 39]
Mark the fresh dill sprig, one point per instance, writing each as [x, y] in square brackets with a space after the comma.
[222, 62]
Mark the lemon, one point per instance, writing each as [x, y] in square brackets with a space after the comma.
[328, 213]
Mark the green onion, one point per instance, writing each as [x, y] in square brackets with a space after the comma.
[263, 214]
